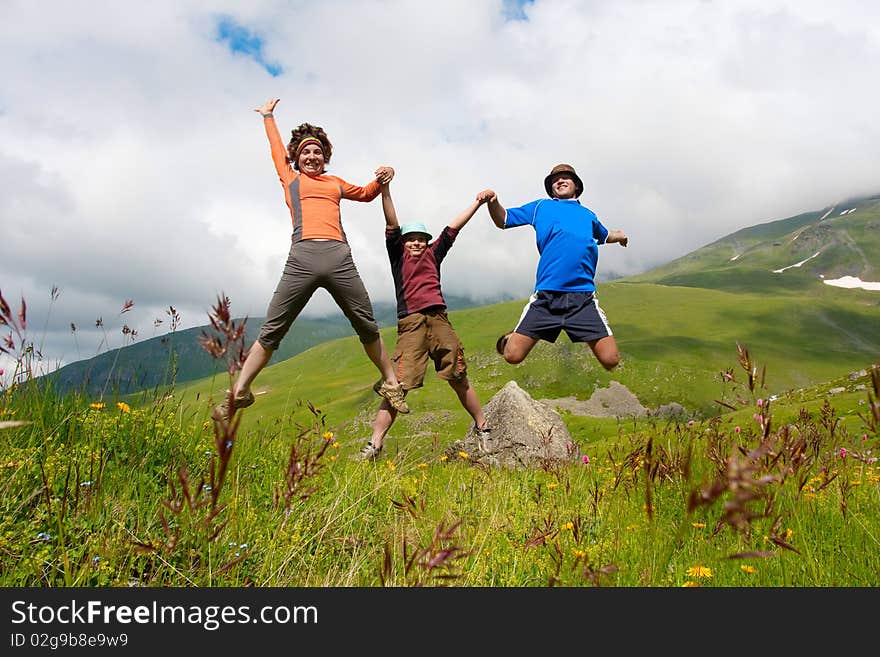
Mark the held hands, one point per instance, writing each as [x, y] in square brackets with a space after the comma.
[384, 175]
[268, 106]
[486, 196]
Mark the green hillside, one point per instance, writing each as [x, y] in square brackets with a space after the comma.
[842, 240]
[674, 343]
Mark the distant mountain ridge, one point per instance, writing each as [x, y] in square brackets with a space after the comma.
[807, 249]
[178, 357]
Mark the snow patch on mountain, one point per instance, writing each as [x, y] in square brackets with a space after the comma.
[853, 282]
[797, 264]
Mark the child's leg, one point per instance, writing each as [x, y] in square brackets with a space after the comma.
[469, 400]
[606, 352]
[409, 363]
[385, 417]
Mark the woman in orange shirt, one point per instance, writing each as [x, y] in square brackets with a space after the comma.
[319, 257]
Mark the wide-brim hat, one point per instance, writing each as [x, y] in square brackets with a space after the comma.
[415, 227]
[563, 168]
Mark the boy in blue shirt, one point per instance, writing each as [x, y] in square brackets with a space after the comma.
[568, 236]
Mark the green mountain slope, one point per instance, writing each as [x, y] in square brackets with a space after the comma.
[842, 240]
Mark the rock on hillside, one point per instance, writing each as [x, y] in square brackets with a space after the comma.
[525, 433]
[615, 401]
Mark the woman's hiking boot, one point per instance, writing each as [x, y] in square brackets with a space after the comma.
[395, 395]
[222, 411]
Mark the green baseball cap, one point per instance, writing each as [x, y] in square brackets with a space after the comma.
[415, 227]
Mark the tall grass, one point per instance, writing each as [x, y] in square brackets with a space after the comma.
[151, 492]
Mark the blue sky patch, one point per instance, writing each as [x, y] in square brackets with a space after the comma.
[515, 10]
[241, 40]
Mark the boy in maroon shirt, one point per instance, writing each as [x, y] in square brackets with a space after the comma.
[423, 329]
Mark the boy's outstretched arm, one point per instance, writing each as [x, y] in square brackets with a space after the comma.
[388, 207]
[496, 210]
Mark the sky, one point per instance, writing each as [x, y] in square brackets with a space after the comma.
[135, 173]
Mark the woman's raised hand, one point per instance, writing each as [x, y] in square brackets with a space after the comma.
[268, 106]
[384, 175]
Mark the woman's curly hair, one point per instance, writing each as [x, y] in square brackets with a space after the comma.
[308, 130]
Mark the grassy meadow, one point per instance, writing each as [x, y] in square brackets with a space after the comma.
[770, 480]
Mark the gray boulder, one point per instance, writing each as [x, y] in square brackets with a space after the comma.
[525, 433]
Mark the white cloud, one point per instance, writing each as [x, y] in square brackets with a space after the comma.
[133, 167]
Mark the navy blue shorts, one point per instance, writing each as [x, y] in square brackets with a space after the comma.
[577, 313]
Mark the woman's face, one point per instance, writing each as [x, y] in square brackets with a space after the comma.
[311, 160]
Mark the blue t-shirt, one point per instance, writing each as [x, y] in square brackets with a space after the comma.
[568, 236]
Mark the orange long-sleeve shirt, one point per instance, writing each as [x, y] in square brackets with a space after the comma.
[313, 201]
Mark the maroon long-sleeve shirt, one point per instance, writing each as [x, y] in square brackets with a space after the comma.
[417, 280]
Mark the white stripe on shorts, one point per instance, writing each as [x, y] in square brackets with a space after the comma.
[602, 315]
[531, 300]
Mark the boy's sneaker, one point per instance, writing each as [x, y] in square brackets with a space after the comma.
[369, 452]
[223, 412]
[485, 431]
[394, 394]
[502, 342]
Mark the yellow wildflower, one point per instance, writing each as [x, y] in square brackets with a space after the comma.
[580, 553]
[328, 435]
[691, 585]
[422, 465]
[390, 464]
[552, 484]
[336, 445]
[699, 571]
[568, 525]
[463, 455]
[443, 458]
[788, 534]
[122, 406]
[698, 525]
[97, 405]
[747, 569]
